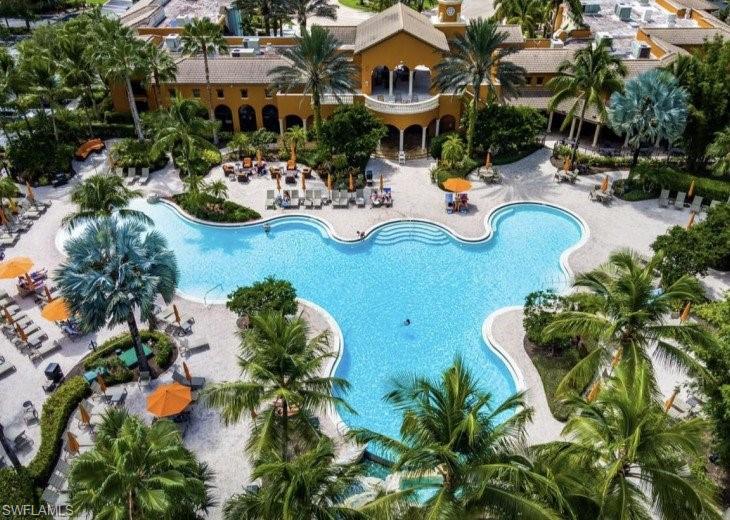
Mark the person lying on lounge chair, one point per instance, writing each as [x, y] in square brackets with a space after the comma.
[286, 201]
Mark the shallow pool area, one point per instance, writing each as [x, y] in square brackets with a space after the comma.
[405, 270]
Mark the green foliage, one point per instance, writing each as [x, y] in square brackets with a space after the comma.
[132, 153]
[452, 151]
[268, 295]
[17, 489]
[159, 342]
[214, 209]
[441, 172]
[354, 132]
[592, 159]
[540, 309]
[56, 412]
[33, 156]
[693, 251]
[650, 176]
[507, 129]
[437, 144]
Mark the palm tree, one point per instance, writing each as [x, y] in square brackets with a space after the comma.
[241, 142]
[652, 106]
[632, 457]
[295, 137]
[282, 369]
[76, 66]
[202, 37]
[452, 151]
[585, 81]
[217, 189]
[44, 85]
[477, 59]
[138, 471]
[451, 427]
[311, 485]
[317, 67]
[720, 150]
[101, 196]
[7, 83]
[624, 312]
[530, 15]
[120, 59]
[575, 11]
[114, 268]
[181, 131]
[305, 8]
[161, 66]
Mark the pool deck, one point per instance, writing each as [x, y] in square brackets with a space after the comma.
[623, 224]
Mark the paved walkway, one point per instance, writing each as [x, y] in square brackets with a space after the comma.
[621, 225]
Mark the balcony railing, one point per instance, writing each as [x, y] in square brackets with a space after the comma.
[325, 99]
[400, 107]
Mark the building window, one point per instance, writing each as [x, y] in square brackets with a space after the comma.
[244, 93]
[538, 80]
[171, 92]
[196, 92]
[220, 93]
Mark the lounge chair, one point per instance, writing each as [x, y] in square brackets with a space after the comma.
[360, 198]
[145, 177]
[195, 383]
[696, 204]
[388, 198]
[119, 172]
[308, 198]
[714, 203]
[58, 483]
[51, 497]
[449, 201]
[47, 350]
[294, 202]
[317, 198]
[132, 176]
[270, 199]
[63, 467]
[344, 199]
[6, 369]
[679, 200]
[664, 198]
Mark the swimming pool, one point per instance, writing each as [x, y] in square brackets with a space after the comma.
[405, 270]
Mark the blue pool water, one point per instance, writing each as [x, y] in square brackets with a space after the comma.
[418, 271]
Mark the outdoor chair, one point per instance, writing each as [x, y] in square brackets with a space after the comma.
[22, 442]
[294, 203]
[679, 200]
[51, 497]
[664, 198]
[144, 379]
[308, 198]
[119, 172]
[317, 202]
[696, 204]
[195, 383]
[59, 483]
[714, 204]
[131, 176]
[360, 198]
[145, 178]
[270, 199]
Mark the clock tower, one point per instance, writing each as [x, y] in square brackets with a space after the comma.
[448, 17]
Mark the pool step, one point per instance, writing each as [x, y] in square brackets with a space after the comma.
[422, 234]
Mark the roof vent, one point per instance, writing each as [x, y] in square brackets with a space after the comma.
[172, 42]
[252, 42]
[591, 7]
[603, 36]
[671, 20]
[648, 15]
[236, 52]
[557, 43]
[623, 11]
[640, 50]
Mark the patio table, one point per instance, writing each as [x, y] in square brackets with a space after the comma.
[129, 356]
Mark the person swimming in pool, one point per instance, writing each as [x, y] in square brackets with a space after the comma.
[267, 228]
[407, 322]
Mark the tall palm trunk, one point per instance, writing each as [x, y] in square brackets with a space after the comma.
[9, 449]
[284, 430]
[130, 505]
[144, 366]
[133, 109]
[209, 92]
[317, 107]
[577, 136]
[53, 120]
[90, 93]
[472, 121]
[157, 88]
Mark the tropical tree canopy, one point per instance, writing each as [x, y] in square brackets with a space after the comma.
[101, 196]
[138, 471]
[719, 149]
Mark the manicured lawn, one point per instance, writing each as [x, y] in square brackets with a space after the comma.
[355, 4]
[552, 369]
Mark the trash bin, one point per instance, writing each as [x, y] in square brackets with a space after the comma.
[53, 372]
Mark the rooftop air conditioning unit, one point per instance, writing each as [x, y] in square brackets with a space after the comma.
[640, 50]
[644, 2]
[603, 35]
[182, 21]
[172, 42]
[647, 16]
[623, 11]
[591, 8]
[252, 43]
[236, 53]
[557, 43]
[671, 20]
[248, 52]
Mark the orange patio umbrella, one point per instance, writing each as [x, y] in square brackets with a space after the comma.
[177, 313]
[84, 415]
[691, 190]
[102, 384]
[14, 267]
[669, 402]
[278, 182]
[186, 370]
[56, 310]
[691, 220]
[304, 182]
[169, 400]
[604, 184]
[595, 389]
[329, 181]
[488, 161]
[457, 185]
[685, 312]
[72, 444]
[351, 187]
[30, 195]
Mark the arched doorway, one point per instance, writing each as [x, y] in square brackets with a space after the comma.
[293, 120]
[390, 143]
[431, 132]
[310, 124]
[448, 124]
[379, 80]
[270, 117]
[412, 138]
[247, 118]
[225, 116]
[421, 82]
[401, 75]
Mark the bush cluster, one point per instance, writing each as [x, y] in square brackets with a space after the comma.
[17, 489]
[540, 309]
[596, 161]
[270, 294]
[649, 177]
[213, 209]
[104, 357]
[56, 412]
[506, 129]
[133, 153]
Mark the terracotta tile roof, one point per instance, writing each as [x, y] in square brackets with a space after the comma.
[345, 34]
[394, 20]
[228, 70]
[536, 61]
[687, 36]
[703, 5]
[514, 33]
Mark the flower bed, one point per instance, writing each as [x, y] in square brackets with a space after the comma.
[214, 209]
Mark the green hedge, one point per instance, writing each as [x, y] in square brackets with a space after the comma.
[214, 209]
[599, 161]
[55, 415]
[159, 342]
[17, 489]
[659, 176]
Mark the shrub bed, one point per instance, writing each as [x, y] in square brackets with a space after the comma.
[650, 177]
[131, 153]
[55, 415]
[17, 489]
[214, 209]
[590, 160]
[440, 173]
[268, 295]
[104, 357]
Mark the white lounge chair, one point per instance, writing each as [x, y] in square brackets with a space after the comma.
[360, 198]
[664, 198]
[145, 178]
[270, 199]
[132, 176]
[317, 200]
[696, 204]
[294, 203]
[679, 200]
[119, 172]
[308, 198]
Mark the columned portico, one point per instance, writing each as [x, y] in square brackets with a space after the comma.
[410, 83]
[390, 83]
[596, 134]
[550, 122]
[423, 138]
[400, 141]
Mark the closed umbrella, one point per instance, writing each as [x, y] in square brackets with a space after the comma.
[84, 415]
[329, 181]
[3, 218]
[566, 164]
[488, 161]
[685, 312]
[8, 318]
[304, 182]
[177, 313]
[382, 182]
[669, 402]
[186, 370]
[352, 183]
[57, 310]
[691, 220]
[48, 293]
[258, 156]
[30, 196]
[278, 182]
[72, 444]
[21, 333]
[168, 400]
[691, 190]
[604, 184]
[102, 384]
[293, 157]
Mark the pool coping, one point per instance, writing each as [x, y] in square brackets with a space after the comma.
[487, 335]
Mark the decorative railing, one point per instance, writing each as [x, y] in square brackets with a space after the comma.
[325, 99]
[392, 107]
